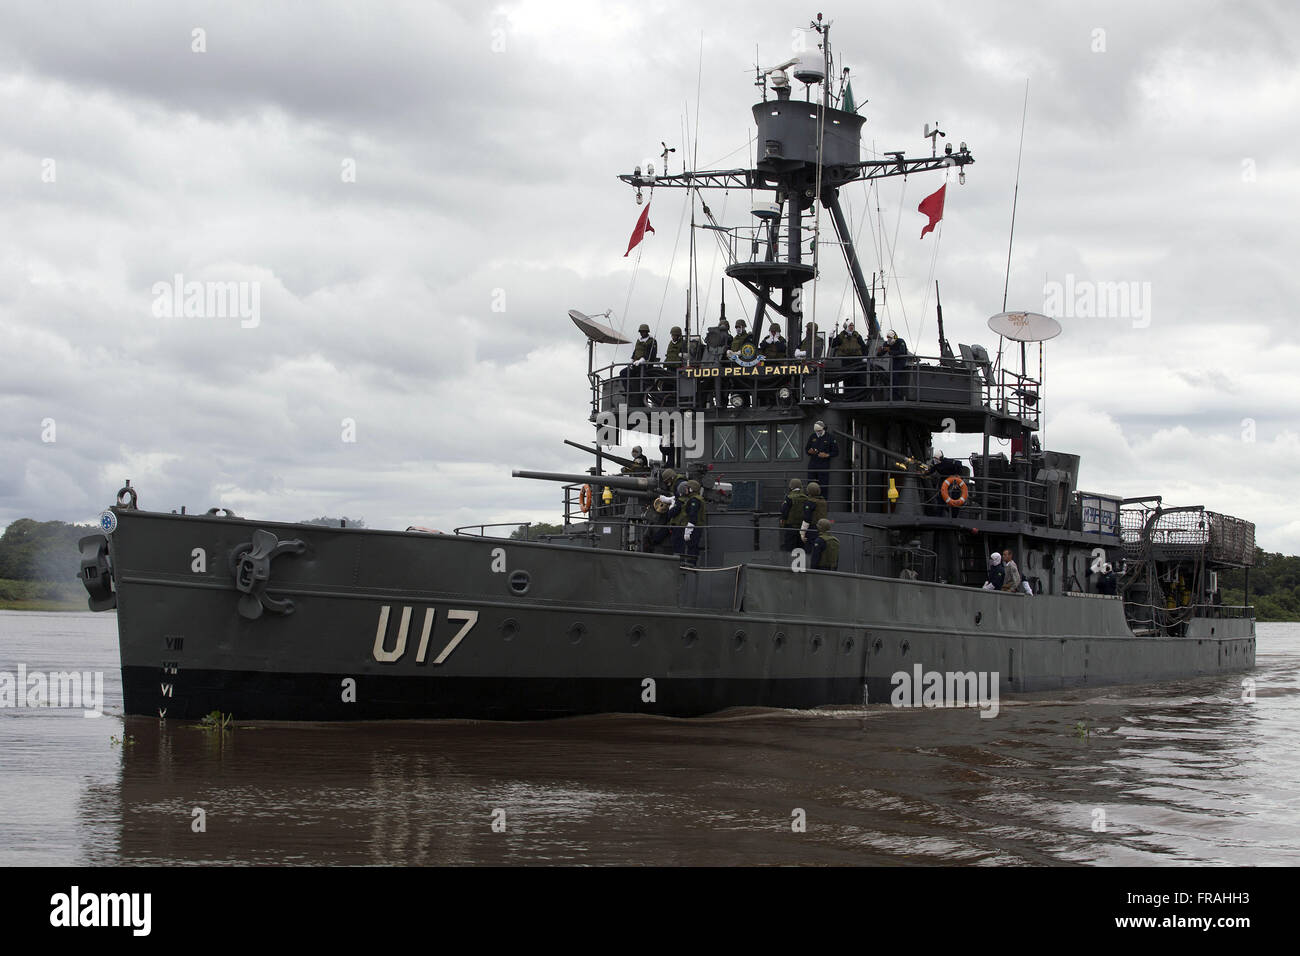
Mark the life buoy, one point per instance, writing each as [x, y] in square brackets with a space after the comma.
[584, 498]
[945, 491]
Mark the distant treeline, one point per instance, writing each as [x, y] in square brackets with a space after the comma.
[41, 550]
[1274, 586]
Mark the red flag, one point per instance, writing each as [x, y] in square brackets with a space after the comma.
[642, 227]
[932, 206]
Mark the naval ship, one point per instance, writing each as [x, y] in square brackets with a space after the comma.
[624, 611]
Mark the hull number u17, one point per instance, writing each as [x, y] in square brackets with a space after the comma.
[385, 656]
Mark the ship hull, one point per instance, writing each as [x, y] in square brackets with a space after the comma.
[406, 625]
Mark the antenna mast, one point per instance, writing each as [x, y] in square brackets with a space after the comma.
[1016, 195]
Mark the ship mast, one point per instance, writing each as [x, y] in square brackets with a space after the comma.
[806, 153]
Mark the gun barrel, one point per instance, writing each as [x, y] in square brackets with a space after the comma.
[617, 459]
[623, 482]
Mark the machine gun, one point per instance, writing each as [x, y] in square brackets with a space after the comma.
[945, 350]
[636, 486]
[617, 459]
[633, 486]
[906, 464]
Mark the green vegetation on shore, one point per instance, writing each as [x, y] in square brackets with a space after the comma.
[42, 595]
[39, 564]
[1274, 586]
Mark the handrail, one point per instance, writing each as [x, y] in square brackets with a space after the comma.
[864, 380]
[463, 529]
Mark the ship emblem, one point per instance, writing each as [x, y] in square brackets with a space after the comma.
[748, 355]
[107, 522]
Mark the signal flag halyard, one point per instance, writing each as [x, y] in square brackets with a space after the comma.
[642, 227]
[932, 206]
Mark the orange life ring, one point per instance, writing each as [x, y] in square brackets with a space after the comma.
[955, 501]
[584, 498]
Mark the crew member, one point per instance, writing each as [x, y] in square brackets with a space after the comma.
[773, 345]
[741, 338]
[674, 353]
[896, 349]
[1107, 584]
[848, 342]
[688, 516]
[1011, 574]
[996, 575]
[812, 346]
[645, 351]
[640, 465]
[821, 448]
[814, 509]
[656, 538]
[724, 335]
[792, 515]
[849, 348]
[676, 348]
[826, 549]
[941, 468]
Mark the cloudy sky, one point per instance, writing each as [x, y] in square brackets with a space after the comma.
[419, 192]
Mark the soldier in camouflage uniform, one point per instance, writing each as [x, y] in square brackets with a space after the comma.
[645, 351]
[741, 338]
[826, 549]
[814, 509]
[812, 346]
[676, 350]
[688, 516]
[792, 515]
[674, 355]
[773, 345]
[656, 538]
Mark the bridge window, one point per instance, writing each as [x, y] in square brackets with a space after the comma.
[757, 442]
[724, 442]
[787, 443]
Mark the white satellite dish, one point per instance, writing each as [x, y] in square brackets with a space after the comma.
[597, 331]
[1025, 326]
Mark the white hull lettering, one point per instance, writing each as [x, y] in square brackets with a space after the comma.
[384, 656]
[470, 618]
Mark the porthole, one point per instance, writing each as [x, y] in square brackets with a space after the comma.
[690, 637]
[519, 582]
[816, 643]
[979, 616]
[739, 640]
[636, 635]
[509, 628]
[576, 633]
[779, 640]
[848, 645]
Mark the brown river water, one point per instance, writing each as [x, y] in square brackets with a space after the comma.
[1159, 774]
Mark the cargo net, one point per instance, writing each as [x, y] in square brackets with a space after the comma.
[1173, 535]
